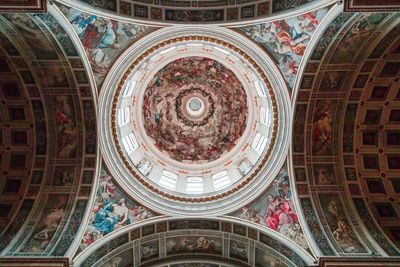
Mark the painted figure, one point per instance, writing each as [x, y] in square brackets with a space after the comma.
[66, 126]
[111, 210]
[286, 40]
[239, 251]
[278, 212]
[102, 38]
[322, 128]
[107, 187]
[111, 214]
[275, 210]
[50, 222]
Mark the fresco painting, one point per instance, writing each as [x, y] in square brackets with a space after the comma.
[324, 174]
[263, 259]
[103, 39]
[322, 128]
[37, 41]
[59, 32]
[194, 244]
[239, 250]
[53, 77]
[149, 250]
[124, 259]
[286, 40]
[63, 175]
[112, 210]
[48, 223]
[275, 210]
[66, 126]
[338, 223]
[174, 130]
[332, 81]
[358, 34]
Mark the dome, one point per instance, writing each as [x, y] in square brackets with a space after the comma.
[194, 119]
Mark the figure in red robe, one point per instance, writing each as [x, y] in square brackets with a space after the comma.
[278, 212]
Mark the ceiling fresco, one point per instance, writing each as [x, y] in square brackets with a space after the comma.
[161, 156]
[103, 39]
[330, 196]
[276, 210]
[62, 154]
[175, 126]
[169, 240]
[112, 209]
[344, 122]
[286, 40]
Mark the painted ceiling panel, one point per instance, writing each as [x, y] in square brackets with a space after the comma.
[349, 162]
[56, 194]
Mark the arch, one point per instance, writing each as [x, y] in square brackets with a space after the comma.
[240, 13]
[332, 111]
[223, 228]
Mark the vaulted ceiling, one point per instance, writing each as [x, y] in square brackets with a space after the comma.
[338, 186]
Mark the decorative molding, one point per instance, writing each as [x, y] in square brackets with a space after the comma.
[167, 205]
[125, 160]
[156, 12]
[23, 6]
[359, 261]
[139, 233]
[371, 6]
[29, 262]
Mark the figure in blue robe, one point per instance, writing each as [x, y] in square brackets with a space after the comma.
[83, 21]
[105, 220]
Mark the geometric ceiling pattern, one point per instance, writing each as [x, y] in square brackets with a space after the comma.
[345, 111]
[370, 6]
[36, 6]
[49, 134]
[191, 12]
[335, 197]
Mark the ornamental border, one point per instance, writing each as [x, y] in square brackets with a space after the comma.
[114, 110]
[40, 7]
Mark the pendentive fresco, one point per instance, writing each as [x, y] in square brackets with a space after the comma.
[112, 209]
[103, 39]
[286, 40]
[275, 210]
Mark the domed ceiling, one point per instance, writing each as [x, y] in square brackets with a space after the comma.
[186, 107]
[194, 119]
[199, 133]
